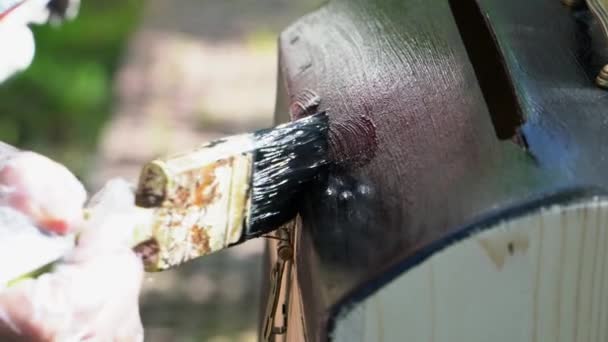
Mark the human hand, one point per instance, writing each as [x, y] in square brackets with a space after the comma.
[93, 293]
[16, 16]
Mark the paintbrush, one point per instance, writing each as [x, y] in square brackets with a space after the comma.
[216, 196]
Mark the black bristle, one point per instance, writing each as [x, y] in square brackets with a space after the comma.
[287, 158]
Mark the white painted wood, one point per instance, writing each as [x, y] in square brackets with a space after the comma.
[540, 277]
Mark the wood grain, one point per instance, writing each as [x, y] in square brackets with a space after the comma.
[437, 165]
[542, 277]
[401, 65]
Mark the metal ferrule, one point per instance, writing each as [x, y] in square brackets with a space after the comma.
[200, 201]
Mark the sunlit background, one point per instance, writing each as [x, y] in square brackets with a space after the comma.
[133, 79]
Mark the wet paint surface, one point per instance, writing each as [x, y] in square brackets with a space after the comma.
[408, 124]
[353, 142]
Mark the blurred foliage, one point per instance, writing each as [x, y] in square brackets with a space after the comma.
[58, 106]
[262, 40]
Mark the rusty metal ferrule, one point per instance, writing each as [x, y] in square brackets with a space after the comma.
[200, 199]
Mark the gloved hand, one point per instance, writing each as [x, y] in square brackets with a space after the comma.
[93, 293]
[15, 34]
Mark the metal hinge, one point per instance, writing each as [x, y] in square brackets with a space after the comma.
[281, 270]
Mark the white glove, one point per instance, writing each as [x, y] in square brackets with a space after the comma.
[16, 39]
[93, 294]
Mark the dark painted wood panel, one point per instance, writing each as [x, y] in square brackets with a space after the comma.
[430, 162]
[553, 54]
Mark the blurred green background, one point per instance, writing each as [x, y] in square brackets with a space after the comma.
[131, 79]
[59, 104]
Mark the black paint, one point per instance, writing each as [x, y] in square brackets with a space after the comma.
[488, 63]
[440, 168]
[287, 158]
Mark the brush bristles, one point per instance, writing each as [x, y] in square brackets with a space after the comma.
[287, 157]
